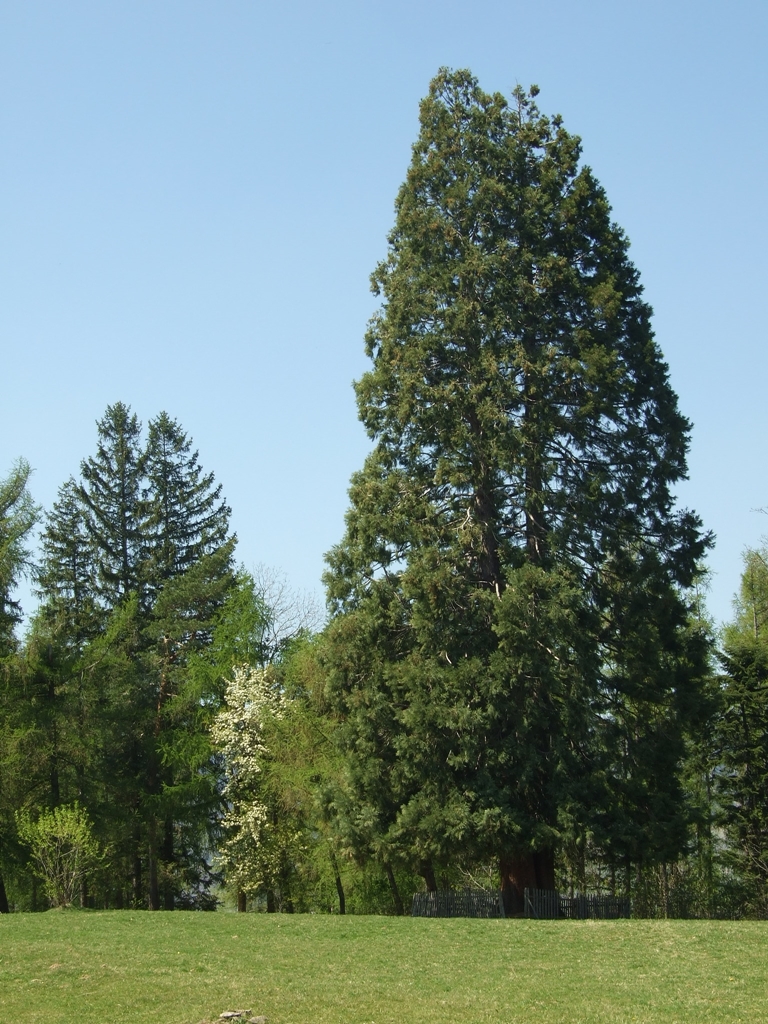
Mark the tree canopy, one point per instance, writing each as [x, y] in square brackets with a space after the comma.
[18, 515]
[511, 652]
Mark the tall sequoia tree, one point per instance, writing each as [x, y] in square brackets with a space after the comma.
[510, 650]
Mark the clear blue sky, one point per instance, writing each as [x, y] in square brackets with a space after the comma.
[192, 197]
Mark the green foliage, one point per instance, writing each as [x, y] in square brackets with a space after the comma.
[742, 751]
[239, 635]
[66, 575]
[183, 516]
[110, 499]
[18, 514]
[120, 674]
[512, 659]
[63, 849]
[282, 848]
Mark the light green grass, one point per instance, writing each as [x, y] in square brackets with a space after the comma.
[183, 968]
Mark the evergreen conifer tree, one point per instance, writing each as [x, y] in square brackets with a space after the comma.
[183, 516]
[508, 594]
[110, 492]
[137, 562]
[66, 574]
[18, 515]
[187, 574]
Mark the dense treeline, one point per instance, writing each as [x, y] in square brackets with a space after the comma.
[518, 684]
[106, 703]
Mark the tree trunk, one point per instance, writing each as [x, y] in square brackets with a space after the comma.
[54, 784]
[427, 872]
[137, 881]
[242, 902]
[168, 900]
[154, 890]
[339, 886]
[4, 908]
[271, 908]
[395, 891]
[286, 898]
[534, 432]
[534, 870]
[54, 769]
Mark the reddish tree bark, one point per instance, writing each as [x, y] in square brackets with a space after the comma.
[532, 870]
[427, 872]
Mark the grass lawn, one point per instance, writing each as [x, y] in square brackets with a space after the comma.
[86, 967]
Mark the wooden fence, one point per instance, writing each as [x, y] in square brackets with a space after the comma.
[546, 903]
[461, 903]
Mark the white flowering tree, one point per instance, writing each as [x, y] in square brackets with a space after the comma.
[259, 840]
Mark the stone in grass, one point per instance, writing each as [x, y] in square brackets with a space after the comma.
[231, 1014]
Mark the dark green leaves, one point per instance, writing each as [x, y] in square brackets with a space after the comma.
[509, 588]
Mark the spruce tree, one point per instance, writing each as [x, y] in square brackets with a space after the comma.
[137, 562]
[110, 493]
[66, 575]
[183, 516]
[507, 597]
[187, 574]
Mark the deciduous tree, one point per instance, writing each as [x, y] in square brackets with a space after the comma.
[742, 748]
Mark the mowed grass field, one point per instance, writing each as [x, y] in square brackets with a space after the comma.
[89, 967]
